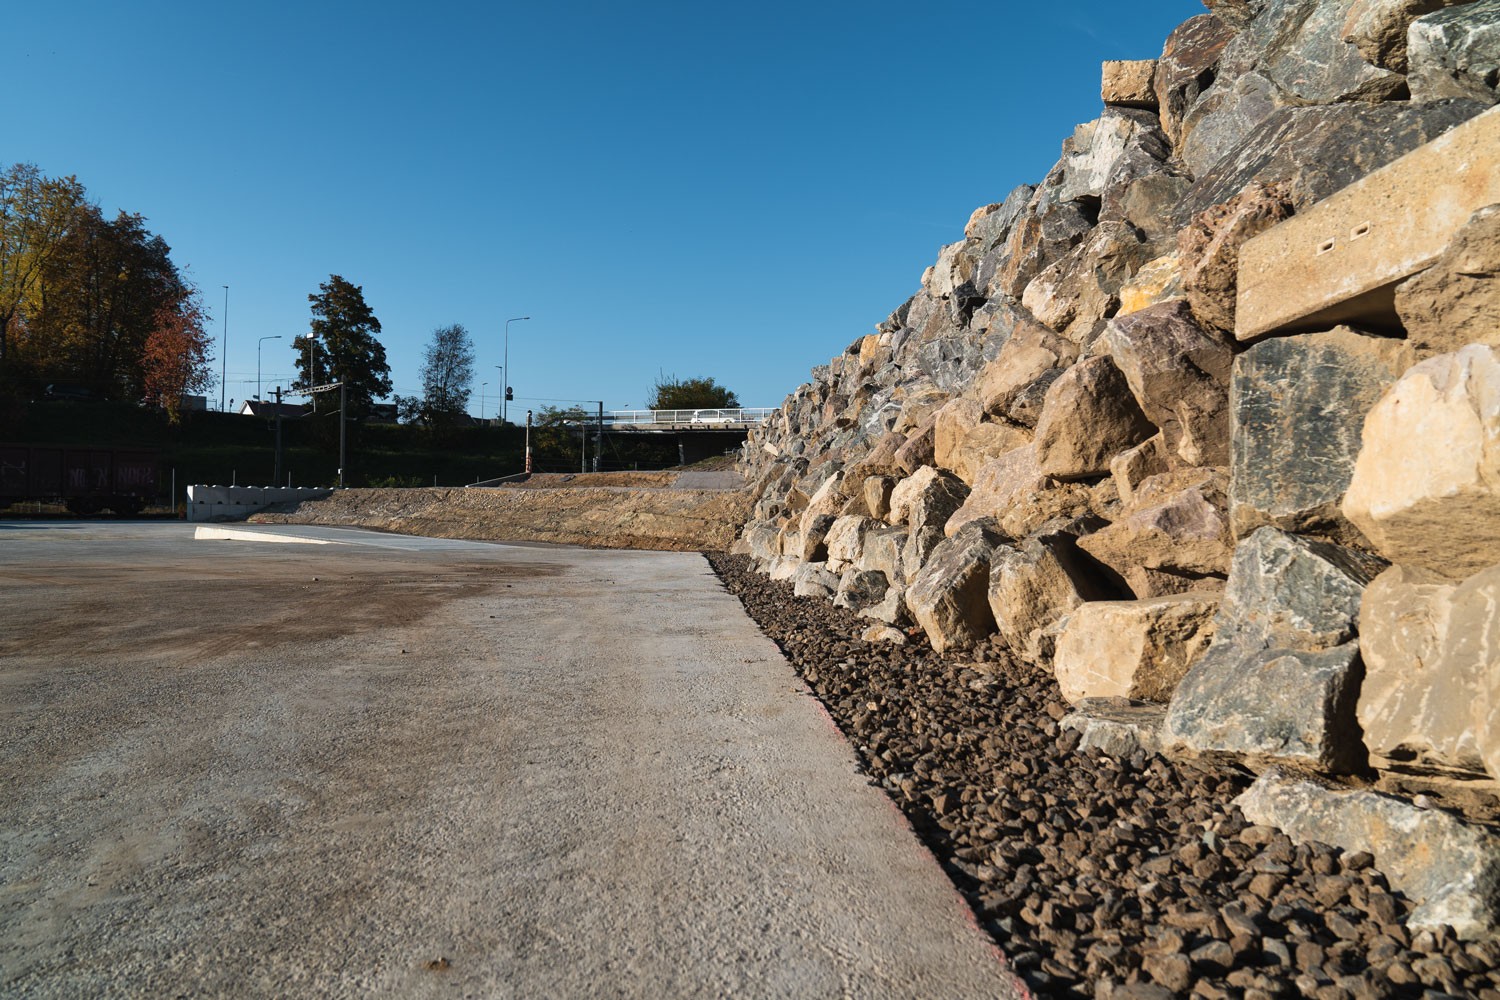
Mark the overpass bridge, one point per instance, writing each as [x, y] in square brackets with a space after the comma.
[700, 433]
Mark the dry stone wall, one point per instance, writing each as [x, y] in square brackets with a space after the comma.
[1287, 538]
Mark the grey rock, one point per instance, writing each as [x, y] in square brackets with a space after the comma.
[1047, 232]
[812, 545]
[1117, 726]
[948, 596]
[1076, 294]
[1450, 868]
[1378, 28]
[1179, 375]
[1214, 127]
[1281, 677]
[813, 579]
[1298, 405]
[882, 553]
[1456, 301]
[1237, 14]
[1319, 150]
[1456, 53]
[859, 589]
[1304, 54]
[1188, 63]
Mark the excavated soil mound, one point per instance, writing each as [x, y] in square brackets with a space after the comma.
[608, 515]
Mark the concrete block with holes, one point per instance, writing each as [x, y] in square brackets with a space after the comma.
[1339, 261]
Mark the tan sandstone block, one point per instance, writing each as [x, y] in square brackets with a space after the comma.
[1340, 259]
[1133, 649]
[1128, 83]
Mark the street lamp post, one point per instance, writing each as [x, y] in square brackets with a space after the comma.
[481, 401]
[503, 393]
[257, 361]
[224, 361]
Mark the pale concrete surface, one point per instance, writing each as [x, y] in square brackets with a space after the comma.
[1340, 260]
[231, 768]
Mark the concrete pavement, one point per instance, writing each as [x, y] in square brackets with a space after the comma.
[430, 767]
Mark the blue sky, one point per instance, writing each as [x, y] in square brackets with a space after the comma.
[736, 191]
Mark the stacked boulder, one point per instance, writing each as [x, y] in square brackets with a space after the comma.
[1284, 530]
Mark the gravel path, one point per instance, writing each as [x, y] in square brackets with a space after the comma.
[1102, 877]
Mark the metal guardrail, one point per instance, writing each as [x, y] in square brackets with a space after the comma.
[703, 419]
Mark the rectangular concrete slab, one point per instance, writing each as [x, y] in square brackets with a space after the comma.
[421, 768]
[1340, 260]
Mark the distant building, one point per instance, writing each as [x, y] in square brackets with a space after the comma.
[191, 403]
[382, 413]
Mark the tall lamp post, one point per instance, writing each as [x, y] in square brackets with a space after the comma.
[258, 343]
[481, 401]
[224, 361]
[503, 408]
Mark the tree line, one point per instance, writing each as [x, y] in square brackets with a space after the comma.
[93, 300]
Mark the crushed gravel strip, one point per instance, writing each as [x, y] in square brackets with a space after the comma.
[1102, 877]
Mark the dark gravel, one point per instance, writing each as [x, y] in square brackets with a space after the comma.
[1102, 877]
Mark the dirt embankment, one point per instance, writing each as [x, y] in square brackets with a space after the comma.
[583, 511]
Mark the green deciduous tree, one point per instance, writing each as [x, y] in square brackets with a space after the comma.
[36, 212]
[673, 393]
[343, 330]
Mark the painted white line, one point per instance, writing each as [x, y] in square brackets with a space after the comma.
[246, 535]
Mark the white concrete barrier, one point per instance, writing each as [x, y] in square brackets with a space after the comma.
[235, 503]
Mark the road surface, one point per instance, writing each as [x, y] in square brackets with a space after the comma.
[399, 766]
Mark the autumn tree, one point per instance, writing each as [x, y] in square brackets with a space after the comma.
[672, 393]
[447, 379]
[36, 212]
[176, 359]
[341, 346]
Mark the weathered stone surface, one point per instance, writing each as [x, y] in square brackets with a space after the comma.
[813, 579]
[1091, 155]
[1429, 646]
[1216, 125]
[1456, 53]
[878, 495]
[1337, 261]
[1186, 68]
[1088, 417]
[1426, 487]
[1031, 352]
[1237, 14]
[1319, 150]
[1046, 232]
[950, 425]
[859, 589]
[985, 442]
[1179, 375]
[1451, 869]
[1158, 280]
[1116, 726]
[1132, 649]
[1127, 83]
[1377, 28]
[1281, 677]
[1032, 585]
[1025, 407]
[1075, 295]
[1298, 404]
[1209, 248]
[1130, 468]
[998, 483]
[845, 540]
[927, 498]
[948, 596]
[1184, 533]
[1456, 301]
[1306, 57]
[891, 609]
[882, 553]
[884, 633]
[810, 543]
[917, 452]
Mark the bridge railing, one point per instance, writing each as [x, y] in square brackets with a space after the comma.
[702, 419]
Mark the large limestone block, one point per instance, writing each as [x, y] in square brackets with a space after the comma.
[951, 424]
[1031, 351]
[1088, 417]
[828, 498]
[1179, 375]
[878, 495]
[1033, 584]
[1157, 280]
[999, 482]
[1450, 868]
[810, 544]
[1047, 231]
[814, 580]
[918, 449]
[948, 596]
[1456, 301]
[965, 441]
[1338, 260]
[1076, 294]
[927, 498]
[1130, 468]
[1092, 153]
[1455, 53]
[1426, 487]
[1430, 647]
[1297, 406]
[859, 589]
[1133, 649]
[1127, 83]
[845, 540]
[882, 553]
[1281, 677]
[1301, 49]
[1185, 533]
[1209, 248]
